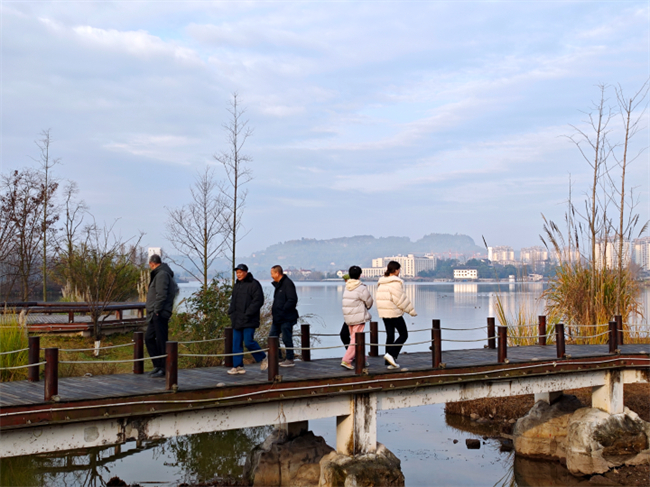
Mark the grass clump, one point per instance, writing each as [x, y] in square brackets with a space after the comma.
[13, 336]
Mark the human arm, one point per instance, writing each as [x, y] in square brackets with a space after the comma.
[161, 287]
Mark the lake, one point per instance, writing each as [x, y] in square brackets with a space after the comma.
[420, 437]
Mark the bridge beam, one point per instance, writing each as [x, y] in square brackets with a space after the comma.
[548, 397]
[609, 396]
[356, 433]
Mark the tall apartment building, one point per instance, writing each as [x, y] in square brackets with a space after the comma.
[411, 265]
[502, 254]
[532, 255]
[641, 253]
[607, 254]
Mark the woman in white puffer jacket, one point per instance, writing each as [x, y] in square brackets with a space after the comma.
[392, 303]
[357, 300]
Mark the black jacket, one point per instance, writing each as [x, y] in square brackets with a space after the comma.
[246, 302]
[285, 300]
[162, 291]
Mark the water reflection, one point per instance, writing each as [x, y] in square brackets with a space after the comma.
[190, 459]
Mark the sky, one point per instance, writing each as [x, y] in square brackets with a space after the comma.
[368, 118]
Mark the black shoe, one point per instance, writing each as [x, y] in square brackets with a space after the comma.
[159, 373]
[155, 370]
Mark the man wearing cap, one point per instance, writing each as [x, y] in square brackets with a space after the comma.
[244, 311]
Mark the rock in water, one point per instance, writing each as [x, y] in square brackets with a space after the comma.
[598, 441]
[381, 468]
[542, 432]
[282, 460]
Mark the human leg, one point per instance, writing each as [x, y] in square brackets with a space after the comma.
[349, 353]
[237, 347]
[345, 335]
[390, 335]
[275, 331]
[150, 341]
[251, 345]
[400, 324]
[287, 339]
[156, 339]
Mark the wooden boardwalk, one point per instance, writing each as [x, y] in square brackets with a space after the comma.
[123, 386]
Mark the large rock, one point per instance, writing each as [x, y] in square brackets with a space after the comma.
[598, 441]
[282, 460]
[381, 468]
[542, 432]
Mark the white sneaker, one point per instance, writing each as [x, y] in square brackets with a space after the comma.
[264, 364]
[393, 367]
[237, 370]
[388, 358]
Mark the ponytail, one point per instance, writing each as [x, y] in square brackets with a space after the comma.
[391, 267]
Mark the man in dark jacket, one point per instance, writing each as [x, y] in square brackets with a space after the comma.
[285, 314]
[160, 304]
[244, 311]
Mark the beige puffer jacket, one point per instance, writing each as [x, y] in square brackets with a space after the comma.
[356, 302]
[392, 301]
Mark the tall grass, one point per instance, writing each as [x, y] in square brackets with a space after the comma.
[522, 323]
[12, 337]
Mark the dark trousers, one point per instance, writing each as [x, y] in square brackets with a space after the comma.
[345, 335]
[286, 329]
[156, 339]
[391, 325]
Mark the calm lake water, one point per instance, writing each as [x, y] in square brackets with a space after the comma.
[420, 437]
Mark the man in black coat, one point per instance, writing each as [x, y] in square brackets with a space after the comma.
[285, 314]
[244, 311]
[160, 304]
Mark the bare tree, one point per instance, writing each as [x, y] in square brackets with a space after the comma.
[100, 268]
[631, 126]
[196, 230]
[237, 175]
[21, 203]
[47, 163]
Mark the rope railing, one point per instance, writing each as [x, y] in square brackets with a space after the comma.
[14, 351]
[93, 348]
[124, 361]
[221, 354]
[22, 366]
[580, 337]
[203, 341]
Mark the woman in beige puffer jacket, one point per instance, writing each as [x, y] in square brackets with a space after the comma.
[392, 303]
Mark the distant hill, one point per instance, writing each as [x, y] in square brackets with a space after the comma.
[343, 252]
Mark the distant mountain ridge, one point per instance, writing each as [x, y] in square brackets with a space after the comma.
[343, 252]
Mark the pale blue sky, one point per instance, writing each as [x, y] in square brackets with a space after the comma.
[382, 118]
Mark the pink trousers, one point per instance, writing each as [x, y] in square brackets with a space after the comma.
[349, 354]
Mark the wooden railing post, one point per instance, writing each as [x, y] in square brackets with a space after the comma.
[559, 340]
[171, 365]
[503, 344]
[305, 343]
[138, 352]
[619, 326]
[51, 373]
[33, 357]
[436, 345]
[542, 330]
[272, 357]
[359, 352]
[70, 316]
[491, 333]
[613, 337]
[227, 346]
[374, 339]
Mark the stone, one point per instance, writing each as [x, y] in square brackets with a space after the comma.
[472, 444]
[542, 432]
[284, 460]
[598, 441]
[381, 468]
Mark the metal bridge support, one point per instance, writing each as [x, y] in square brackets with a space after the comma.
[356, 433]
[609, 397]
[548, 397]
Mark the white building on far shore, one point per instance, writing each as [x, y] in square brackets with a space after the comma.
[466, 274]
[411, 265]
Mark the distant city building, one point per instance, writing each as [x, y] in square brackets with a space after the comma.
[411, 265]
[532, 255]
[641, 253]
[466, 274]
[154, 251]
[566, 255]
[607, 254]
[502, 254]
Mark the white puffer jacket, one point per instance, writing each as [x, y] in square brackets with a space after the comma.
[356, 302]
[392, 301]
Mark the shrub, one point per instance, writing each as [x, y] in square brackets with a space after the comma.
[12, 337]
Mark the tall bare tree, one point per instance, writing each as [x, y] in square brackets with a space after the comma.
[235, 162]
[21, 203]
[196, 230]
[47, 163]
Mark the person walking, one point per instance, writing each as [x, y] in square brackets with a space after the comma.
[244, 311]
[160, 305]
[392, 303]
[356, 303]
[285, 314]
